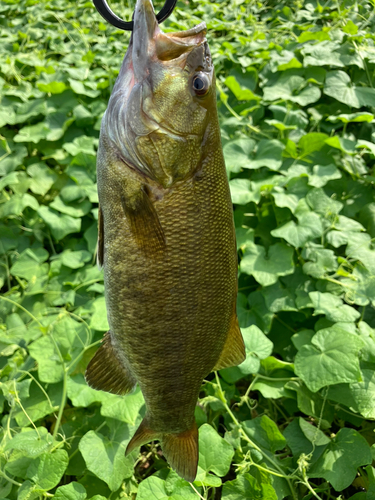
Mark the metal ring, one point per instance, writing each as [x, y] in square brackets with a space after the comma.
[105, 11]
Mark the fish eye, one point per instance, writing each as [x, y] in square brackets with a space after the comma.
[201, 84]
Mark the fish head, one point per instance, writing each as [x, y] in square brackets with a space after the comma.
[163, 101]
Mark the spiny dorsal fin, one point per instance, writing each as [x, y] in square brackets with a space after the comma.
[100, 254]
[144, 222]
[106, 373]
[233, 352]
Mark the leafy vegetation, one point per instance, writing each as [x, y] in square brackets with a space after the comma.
[296, 101]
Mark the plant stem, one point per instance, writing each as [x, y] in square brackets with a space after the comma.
[23, 309]
[252, 444]
[62, 405]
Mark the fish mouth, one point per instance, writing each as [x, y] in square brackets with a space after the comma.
[150, 44]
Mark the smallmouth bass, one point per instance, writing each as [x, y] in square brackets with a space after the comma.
[166, 236]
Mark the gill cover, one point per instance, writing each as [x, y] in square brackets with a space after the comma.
[156, 118]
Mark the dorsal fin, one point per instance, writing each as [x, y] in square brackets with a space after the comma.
[106, 373]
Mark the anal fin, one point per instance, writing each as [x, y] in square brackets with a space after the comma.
[106, 373]
[144, 221]
[233, 352]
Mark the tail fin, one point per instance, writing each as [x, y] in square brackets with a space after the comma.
[181, 450]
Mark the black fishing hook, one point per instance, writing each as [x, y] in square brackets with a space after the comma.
[105, 11]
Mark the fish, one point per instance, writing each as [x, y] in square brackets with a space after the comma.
[166, 237]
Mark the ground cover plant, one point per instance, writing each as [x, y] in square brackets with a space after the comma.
[296, 97]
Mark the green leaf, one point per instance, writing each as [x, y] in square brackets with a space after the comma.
[215, 454]
[358, 396]
[332, 358]
[29, 491]
[52, 87]
[71, 491]
[42, 178]
[59, 349]
[292, 88]
[268, 154]
[17, 204]
[246, 486]
[278, 298]
[106, 458]
[333, 307]
[29, 263]
[82, 144]
[304, 441]
[241, 92]
[323, 204]
[323, 174]
[267, 269]
[80, 88]
[258, 347]
[313, 434]
[32, 133]
[59, 225]
[352, 117]
[339, 462]
[339, 86]
[308, 228]
[74, 209]
[99, 317]
[322, 261]
[80, 393]
[237, 153]
[48, 469]
[122, 408]
[264, 432]
[155, 488]
[75, 259]
[31, 442]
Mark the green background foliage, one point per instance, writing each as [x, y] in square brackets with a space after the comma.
[296, 99]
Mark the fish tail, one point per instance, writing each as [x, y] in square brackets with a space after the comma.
[181, 451]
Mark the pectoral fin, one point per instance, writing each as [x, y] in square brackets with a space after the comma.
[233, 352]
[106, 373]
[144, 222]
[100, 251]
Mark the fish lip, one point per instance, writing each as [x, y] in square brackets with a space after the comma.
[145, 30]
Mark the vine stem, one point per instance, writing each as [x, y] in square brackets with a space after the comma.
[23, 309]
[196, 491]
[62, 404]
[246, 437]
[16, 483]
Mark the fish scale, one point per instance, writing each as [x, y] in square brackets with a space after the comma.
[166, 243]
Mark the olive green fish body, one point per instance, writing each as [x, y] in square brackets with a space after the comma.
[166, 237]
[170, 314]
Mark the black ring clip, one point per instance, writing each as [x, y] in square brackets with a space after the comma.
[105, 11]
